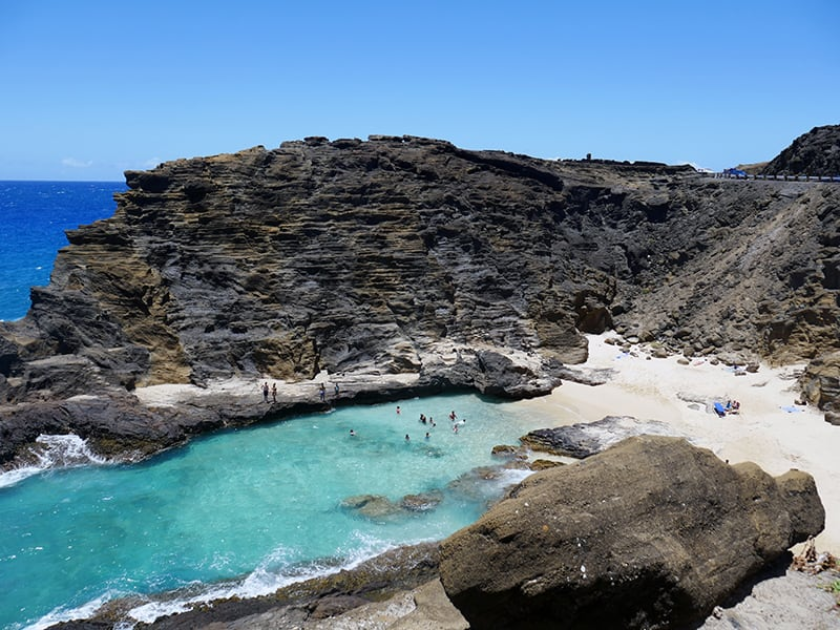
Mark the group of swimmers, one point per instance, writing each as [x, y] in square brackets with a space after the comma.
[428, 421]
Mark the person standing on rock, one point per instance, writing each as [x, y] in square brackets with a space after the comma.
[274, 392]
[337, 389]
[322, 392]
[265, 391]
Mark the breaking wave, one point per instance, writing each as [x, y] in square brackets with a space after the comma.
[52, 451]
[277, 570]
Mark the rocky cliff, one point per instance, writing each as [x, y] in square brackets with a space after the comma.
[814, 153]
[399, 255]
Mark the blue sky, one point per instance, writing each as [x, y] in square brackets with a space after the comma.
[92, 88]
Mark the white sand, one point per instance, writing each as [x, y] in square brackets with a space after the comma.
[763, 432]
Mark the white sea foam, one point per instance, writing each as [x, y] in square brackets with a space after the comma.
[11, 477]
[85, 611]
[274, 572]
[54, 451]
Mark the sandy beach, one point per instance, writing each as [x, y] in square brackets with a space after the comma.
[769, 429]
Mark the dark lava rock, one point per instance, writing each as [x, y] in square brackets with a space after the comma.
[814, 153]
[474, 269]
[652, 533]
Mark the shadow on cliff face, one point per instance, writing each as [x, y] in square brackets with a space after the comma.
[404, 255]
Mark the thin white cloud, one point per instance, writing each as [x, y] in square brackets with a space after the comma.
[74, 163]
[152, 162]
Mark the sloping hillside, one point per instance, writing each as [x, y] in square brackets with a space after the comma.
[814, 153]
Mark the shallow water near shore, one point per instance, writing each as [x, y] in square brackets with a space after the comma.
[244, 512]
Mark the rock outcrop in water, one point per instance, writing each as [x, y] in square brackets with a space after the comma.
[651, 533]
[404, 255]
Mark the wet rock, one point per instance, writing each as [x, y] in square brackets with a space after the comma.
[506, 451]
[372, 506]
[422, 502]
[479, 484]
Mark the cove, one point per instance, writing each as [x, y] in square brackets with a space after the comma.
[244, 512]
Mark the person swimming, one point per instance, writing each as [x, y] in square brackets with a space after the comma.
[407, 439]
[352, 433]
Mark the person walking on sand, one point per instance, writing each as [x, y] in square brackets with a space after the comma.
[274, 392]
[265, 391]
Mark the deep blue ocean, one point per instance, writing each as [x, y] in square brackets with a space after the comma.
[33, 217]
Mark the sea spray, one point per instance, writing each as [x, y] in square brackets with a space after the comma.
[52, 451]
[275, 572]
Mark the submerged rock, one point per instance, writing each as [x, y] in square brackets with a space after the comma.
[651, 533]
[422, 502]
[486, 484]
[372, 506]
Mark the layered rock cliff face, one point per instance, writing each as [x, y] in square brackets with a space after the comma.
[408, 255]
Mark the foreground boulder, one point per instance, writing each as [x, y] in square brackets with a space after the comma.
[651, 533]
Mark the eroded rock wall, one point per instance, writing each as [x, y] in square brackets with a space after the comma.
[403, 254]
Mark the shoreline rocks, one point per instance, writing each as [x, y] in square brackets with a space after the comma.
[651, 533]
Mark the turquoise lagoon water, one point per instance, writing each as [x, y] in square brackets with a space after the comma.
[241, 512]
